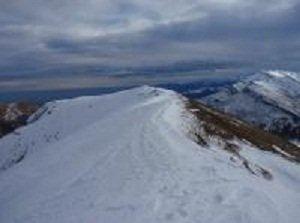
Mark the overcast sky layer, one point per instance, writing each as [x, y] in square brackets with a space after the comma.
[54, 36]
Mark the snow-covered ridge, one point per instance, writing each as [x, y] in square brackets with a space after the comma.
[280, 88]
[58, 119]
[284, 74]
[270, 99]
[127, 157]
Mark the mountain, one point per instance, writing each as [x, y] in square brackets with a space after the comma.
[268, 99]
[145, 155]
[14, 115]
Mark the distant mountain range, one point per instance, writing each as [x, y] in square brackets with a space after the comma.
[14, 115]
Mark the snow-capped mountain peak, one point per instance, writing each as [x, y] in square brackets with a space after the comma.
[284, 74]
[270, 99]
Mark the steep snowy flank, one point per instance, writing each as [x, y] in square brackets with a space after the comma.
[131, 157]
[269, 99]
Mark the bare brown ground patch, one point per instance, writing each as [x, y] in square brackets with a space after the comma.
[222, 125]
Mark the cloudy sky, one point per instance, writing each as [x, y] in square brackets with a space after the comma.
[61, 36]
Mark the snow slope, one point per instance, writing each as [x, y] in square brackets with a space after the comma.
[128, 157]
[270, 99]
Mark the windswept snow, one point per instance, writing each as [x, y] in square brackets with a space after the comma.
[284, 74]
[128, 157]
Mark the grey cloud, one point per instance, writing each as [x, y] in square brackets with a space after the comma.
[37, 36]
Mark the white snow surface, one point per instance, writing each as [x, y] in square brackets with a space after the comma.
[127, 157]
